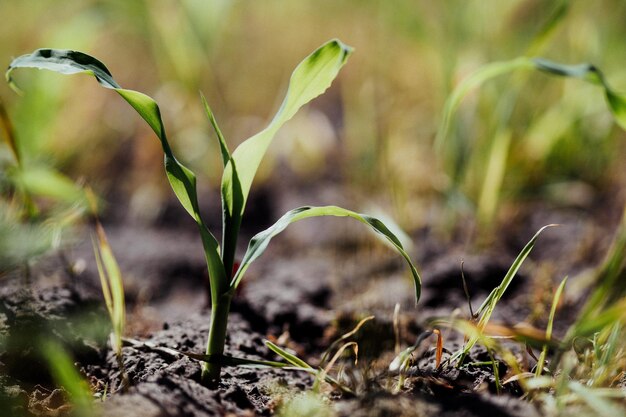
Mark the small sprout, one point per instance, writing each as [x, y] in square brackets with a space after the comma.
[488, 306]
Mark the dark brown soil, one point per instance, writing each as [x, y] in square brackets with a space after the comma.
[313, 284]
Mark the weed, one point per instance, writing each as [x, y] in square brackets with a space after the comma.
[310, 79]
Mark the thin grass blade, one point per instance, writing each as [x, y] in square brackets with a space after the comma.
[65, 375]
[482, 75]
[610, 289]
[592, 74]
[486, 309]
[218, 132]
[555, 303]
[597, 403]
[290, 358]
[112, 285]
[44, 182]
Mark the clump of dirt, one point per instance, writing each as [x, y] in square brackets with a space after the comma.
[31, 316]
[168, 383]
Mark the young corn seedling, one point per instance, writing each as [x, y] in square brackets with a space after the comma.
[310, 79]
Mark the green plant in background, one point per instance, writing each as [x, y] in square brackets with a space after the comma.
[492, 176]
[587, 367]
[38, 203]
[310, 79]
[112, 287]
[67, 376]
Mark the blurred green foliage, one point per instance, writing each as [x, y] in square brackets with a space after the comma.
[383, 115]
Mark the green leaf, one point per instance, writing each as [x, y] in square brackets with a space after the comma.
[44, 182]
[259, 243]
[220, 137]
[475, 80]
[586, 72]
[608, 296]
[555, 303]
[8, 133]
[453, 153]
[66, 375]
[310, 79]
[290, 358]
[182, 180]
[591, 74]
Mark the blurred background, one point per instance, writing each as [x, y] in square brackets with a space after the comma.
[372, 134]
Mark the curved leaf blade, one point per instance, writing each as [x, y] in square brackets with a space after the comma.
[63, 61]
[475, 80]
[586, 72]
[259, 243]
[289, 357]
[182, 180]
[591, 74]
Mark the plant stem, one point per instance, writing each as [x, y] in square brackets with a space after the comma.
[217, 338]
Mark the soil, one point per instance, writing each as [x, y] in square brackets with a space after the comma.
[313, 284]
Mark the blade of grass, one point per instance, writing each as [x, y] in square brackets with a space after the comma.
[600, 405]
[485, 73]
[610, 288]
[300, 365]
[400, 359]
[45, 182]
[555, 303]
[323, 373]
[586, 72]
[488, 306]
[606, 354]
[453, 155]
[557, 15]
[290, 358]
[259, 243]
[10, 137]
[344, 338]
[112, 285]
[494, 176]
[65, 374]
